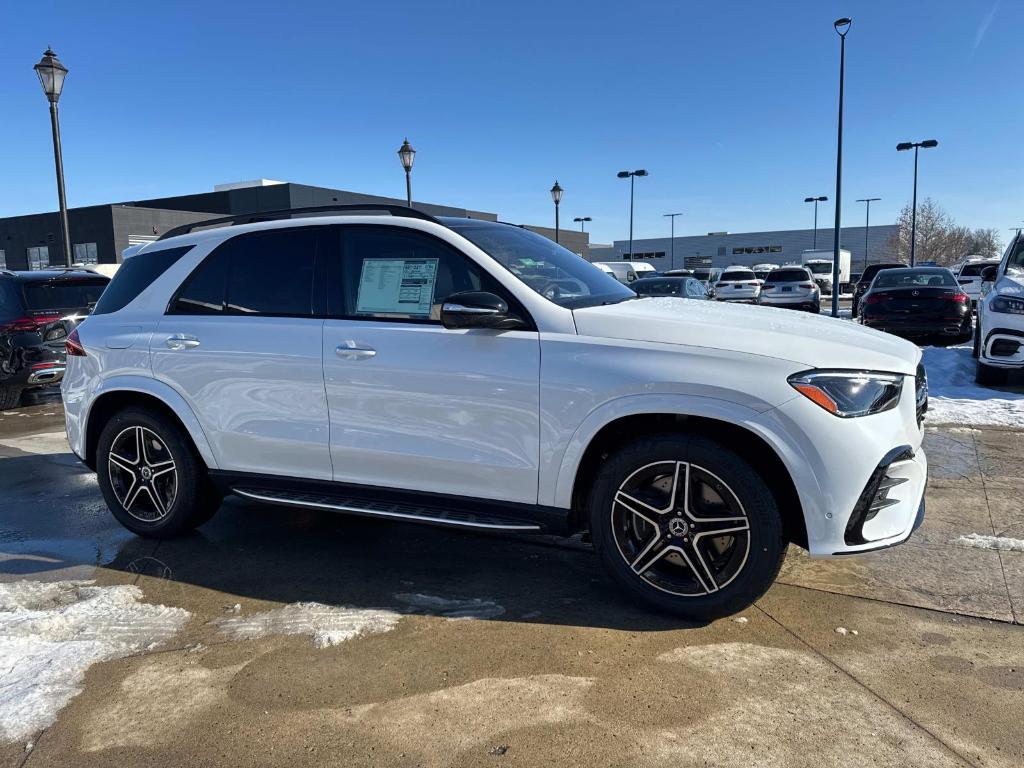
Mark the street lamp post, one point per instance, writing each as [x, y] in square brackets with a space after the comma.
[582, 221]
[672, 241]
[631, 175]
[815, 200]
[407, 155]
[842, 27]
[867, 223]
[902, 147]
[556, 197]
[51, 76]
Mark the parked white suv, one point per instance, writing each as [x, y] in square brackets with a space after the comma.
[474, 374]
[999, 334]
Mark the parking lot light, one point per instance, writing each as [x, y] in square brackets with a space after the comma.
[903, 146]
[407, 155]
[631, 175]
[842, 27]
[672, 241]
[582, 221]
[815, 200]
[556, 198]
[867, 222]
[51, 77]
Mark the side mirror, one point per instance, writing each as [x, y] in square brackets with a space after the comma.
[478, 309]
[989, 274]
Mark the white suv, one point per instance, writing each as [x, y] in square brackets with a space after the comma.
[474, 374]
[999, 335]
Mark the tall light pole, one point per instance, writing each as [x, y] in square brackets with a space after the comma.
[582, 221]
[51, 76]
[902, 147]
[867, 223]
[407, 155]
[631, 175]
[556, 198]
[672, 242]
[842, 26]
[815, 200]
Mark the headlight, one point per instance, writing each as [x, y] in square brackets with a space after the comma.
[1006, 304]
[849, 393]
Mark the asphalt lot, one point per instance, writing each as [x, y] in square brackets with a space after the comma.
[484, 650]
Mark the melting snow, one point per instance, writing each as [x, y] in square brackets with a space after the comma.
[999, 543]
[954, 398]
[51, 633]
[467, 608]
[327, 624]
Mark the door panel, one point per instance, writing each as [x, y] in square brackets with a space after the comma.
[446, 411]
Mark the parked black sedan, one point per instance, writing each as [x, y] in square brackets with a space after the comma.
[680, 287]
[918, 303]
[863, 281]
[38, 310]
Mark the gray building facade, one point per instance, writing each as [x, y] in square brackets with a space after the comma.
[723, 249]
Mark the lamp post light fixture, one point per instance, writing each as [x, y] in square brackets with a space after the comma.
[867, 223]
[51, 76]
[556, 198]
[582, 221]
[903, 146]
[631, 175]
[842, 27]
[815, 200]
[672, 240]
[408, 156]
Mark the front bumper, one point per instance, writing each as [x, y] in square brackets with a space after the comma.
[997, 348]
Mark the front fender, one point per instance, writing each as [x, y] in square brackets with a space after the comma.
[166, 395]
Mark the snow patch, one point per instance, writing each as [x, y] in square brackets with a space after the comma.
[954, 398]
[998, 543]
[327, 624]
[43, 443]
[453, 608]
[51, 633]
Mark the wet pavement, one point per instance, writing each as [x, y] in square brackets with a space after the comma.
[557, 668]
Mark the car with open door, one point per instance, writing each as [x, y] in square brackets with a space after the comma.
[475, 375]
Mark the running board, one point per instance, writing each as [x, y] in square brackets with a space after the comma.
[393, 511]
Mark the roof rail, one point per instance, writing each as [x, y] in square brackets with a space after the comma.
[297, 213]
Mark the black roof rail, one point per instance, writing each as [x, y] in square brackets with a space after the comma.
[294, 213]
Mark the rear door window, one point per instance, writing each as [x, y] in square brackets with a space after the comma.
[62, 293]
[135, 276]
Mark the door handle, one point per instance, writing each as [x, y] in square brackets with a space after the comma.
[350, 350]
[182, 341]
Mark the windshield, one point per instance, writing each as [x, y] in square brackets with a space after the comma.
[906, 278]
[555, 273]
[62, 294]
[736, 274]
[820, 269]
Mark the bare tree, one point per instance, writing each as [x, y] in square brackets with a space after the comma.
[939, 238]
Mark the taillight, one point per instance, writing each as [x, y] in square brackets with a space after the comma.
[29, 323]
[959, 298]
[73, 345]
[806, 285]
[768, 286]
[875, 299]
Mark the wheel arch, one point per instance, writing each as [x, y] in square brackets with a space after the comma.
[745, 442]
[150, 394]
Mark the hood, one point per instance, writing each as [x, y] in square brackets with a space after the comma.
[813, 341]
[1011, 285]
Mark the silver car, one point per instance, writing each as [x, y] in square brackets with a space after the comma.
[791, 287]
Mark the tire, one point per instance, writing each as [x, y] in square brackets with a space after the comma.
[10, 397]
[638, 478]
[976, 347]
[164, 491]
[990, 376]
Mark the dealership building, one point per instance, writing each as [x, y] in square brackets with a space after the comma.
[723, 249]
[99, 233]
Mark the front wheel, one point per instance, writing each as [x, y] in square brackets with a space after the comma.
[687, 526]
[9, 397]
[990, 376]
[151, 478]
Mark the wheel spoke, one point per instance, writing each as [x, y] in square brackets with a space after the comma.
[695, 559]
[166, 466]
[656, 549]
[132, 495]
[722, 528]
[122, 463]
[140, 447]
[158, 503]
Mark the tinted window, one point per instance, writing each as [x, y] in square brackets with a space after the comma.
[400, 274]
[974, 269]
[266, 273]
[873, 269]
[898, 278]
[788, 276]
[135, 276]
[62, 293]
[654, 287]
[10, 302]
[737, 274]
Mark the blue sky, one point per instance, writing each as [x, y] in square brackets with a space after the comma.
[731, 106]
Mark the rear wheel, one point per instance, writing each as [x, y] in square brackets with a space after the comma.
[976, 351]
[687, 526]
[9, 397]
[990, 376]
[151, 478]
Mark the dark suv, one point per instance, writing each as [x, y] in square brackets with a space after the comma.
[864, 281]
[37, 312]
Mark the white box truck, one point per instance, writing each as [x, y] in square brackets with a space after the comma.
[820, 264]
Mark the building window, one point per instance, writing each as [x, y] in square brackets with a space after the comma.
[38, 257]
[757, 249]
[3, 259]
[721, 250]
[85, 253]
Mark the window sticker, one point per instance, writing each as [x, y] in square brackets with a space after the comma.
[397, 286]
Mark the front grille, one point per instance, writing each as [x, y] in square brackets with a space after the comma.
[921, 392]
